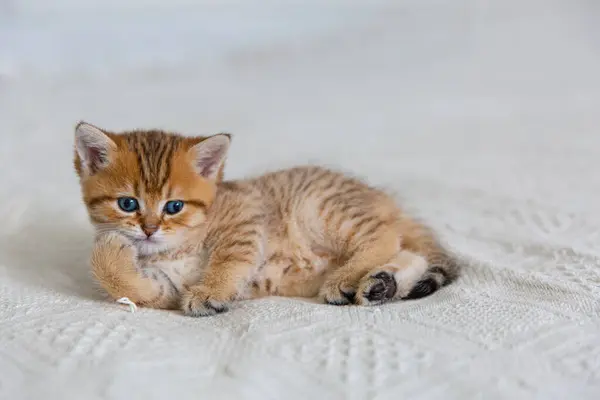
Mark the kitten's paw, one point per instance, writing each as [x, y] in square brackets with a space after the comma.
[113, 266]
[337, 293]
[112, 248]
[197, 302]
[114, 242]
[377, 288]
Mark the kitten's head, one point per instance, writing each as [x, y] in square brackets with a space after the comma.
[154, 187]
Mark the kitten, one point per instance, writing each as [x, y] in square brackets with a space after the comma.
[172, 234]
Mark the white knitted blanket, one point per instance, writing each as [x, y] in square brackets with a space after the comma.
[482, 116]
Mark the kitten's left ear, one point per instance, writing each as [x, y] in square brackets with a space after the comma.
[209, 155]
[93, 147]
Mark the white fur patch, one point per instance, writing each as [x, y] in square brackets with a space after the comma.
[411, 268]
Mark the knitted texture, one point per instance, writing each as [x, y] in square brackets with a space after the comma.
[483, 119]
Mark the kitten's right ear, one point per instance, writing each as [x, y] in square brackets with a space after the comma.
[93, 147]
[209, 155]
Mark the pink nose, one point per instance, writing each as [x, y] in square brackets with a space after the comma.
[149, 230]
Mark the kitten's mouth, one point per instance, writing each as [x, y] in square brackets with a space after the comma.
[145, 243]
[147, 240]
[144, 240]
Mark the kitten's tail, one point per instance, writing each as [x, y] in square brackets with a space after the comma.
[444, 267]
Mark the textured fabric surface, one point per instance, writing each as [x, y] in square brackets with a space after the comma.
[482, 116]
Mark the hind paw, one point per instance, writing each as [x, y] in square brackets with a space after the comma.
[377, 288]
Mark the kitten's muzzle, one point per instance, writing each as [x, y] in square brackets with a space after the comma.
[149, 229]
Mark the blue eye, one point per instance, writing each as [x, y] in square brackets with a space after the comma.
[128, 204]
[173, 207]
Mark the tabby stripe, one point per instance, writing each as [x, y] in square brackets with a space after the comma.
[345, 208]
[357, 235]
[324, 204]
[168, 279]
[315, 178]
[140, 163]
[196, 203]
[311, 190]
[357, 224]
[329, 184]
[256, 220]
[241, 243]
[136, 188]
[273, 193]
[233, 258]
[338, 195]
[299, 182]
[160, 294]
[372, 230]
[164, 161]
[353, 190]
[94, 201]
[143, 167]
[231, 232]
[356, 215]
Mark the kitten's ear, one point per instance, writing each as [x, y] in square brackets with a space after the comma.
[209, 155]
[93, 147]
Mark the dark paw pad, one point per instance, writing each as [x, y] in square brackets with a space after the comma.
[423, 288]
[350, 296]
[384, 289]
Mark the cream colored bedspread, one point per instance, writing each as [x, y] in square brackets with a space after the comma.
[482, 115]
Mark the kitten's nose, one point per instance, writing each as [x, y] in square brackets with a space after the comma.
[149, 229]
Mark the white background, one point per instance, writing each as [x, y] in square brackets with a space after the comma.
[481, 115]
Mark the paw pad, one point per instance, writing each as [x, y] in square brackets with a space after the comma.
[382, 287]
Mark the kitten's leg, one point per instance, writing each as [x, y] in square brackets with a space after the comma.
[225, 279]
[420, 269]
[443, 266]
[396, 279]
[341, 284]
[115, 266]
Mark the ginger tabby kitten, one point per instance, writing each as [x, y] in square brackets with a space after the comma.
[172, 234]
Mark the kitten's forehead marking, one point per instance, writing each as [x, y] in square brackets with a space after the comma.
[154, 151]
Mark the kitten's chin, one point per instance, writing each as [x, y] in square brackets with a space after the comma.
[146, 248]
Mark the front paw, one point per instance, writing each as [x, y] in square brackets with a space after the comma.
[111, 255]
[337, 292]
[113, 265]
[198, 302]
[113, 245]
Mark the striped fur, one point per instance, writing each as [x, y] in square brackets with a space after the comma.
[304, 231]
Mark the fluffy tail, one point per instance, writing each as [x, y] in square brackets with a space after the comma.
[444, 267]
